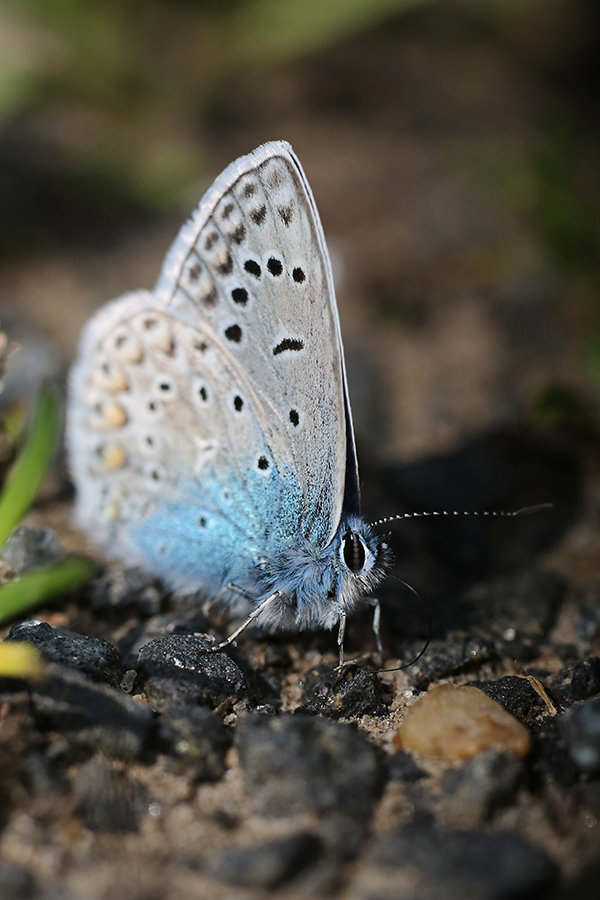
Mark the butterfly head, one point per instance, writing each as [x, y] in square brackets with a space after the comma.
[363, 559]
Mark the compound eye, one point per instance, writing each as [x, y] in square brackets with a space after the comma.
[353, 551]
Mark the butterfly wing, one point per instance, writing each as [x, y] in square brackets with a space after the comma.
[208, 421]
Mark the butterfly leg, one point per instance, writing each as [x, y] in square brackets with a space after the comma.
[247, 621]
[340, 637]
[374, 602]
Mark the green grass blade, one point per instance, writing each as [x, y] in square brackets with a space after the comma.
[43, 584]
[26, 476]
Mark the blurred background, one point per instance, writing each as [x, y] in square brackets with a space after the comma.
[453, 151]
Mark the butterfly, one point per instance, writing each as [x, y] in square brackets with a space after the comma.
[209, 428]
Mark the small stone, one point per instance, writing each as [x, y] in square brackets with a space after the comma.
[128, 681]
[402, 767]
[173, 669]
[516, 612]
[128, 588]
[109, 801]
[90, 714]
[93, 657]
[457, 722]
[16, 883]
[299, 764]
[550, 760]
[464, 863]
[581, 730]
[30, 548]
[341, 694]
[43, 776]
[579, 680]
[444, 658]
[517, 695]
[473, 791]
[197, 741]
[183, 621]
[268, 865]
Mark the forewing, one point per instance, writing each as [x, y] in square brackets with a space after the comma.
[253, 264]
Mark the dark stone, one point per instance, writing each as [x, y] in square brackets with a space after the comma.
[443, 658]
[473, 791]
[549, 758]
[93, 657]
[489, 866]
[402, 767]
[16, 883]
[30, 548]
[581, 729]
[579, 680]
[179, 621]
[587, 624]
[517, 695]
[90, 714]
[516, 612]
[268, 865]
[197, 741]
[43, 776]
[341, 694]
[173, 669]
[126, 589]
[309, 765]
[109, 801]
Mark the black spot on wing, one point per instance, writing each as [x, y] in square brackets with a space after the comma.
[259, 215]
[292, 344]
[275, 266]
[252, 267]
[239, 296]
[298, 275]
[286, 214]
[234, 333]
[238, 235]
[294, 417]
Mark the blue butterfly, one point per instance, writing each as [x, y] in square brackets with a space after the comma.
[209, 428]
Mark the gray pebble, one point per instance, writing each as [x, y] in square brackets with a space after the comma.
[516, 612]
[297, 764]
[517, 695]
[197, 741]
[579, 680]
[173, 669]
[341, 694]
[108, 801]
[473, 791]
[90, 714]
[443, 658]
[30, 548]
[463, 863]
[270, 864]
[93, 657]
[581, 730]
[16, 883]
[133, 588]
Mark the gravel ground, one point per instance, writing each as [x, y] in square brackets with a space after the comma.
[139, 768]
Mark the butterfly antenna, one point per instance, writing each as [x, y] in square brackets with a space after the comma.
[429, 628]
[525, 511]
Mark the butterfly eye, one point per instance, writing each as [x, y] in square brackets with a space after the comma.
[353, 551]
